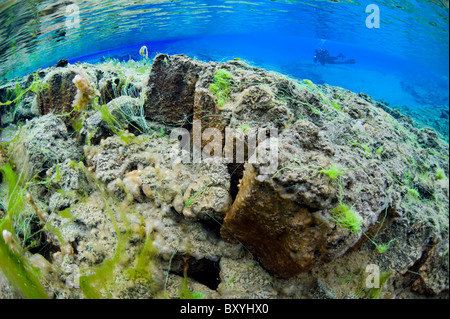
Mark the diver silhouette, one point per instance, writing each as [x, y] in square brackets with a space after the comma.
[323, 57]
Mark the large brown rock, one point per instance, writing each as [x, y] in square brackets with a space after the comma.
[283, 235]
[59, 96]
[286, 220]
[171, 88]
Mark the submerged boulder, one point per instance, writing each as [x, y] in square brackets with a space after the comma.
[171, 87]
[59, 96]
[41, 144]
[288, 219]
[352, 185]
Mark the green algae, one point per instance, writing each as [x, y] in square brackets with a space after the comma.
[221, 85]
[185, 293]
[346, 217]
[194, 197]
[17, 94]
[100, 280]
[333, 172]
[16, 268]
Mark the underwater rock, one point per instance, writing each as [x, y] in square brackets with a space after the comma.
[132, 217]
[112, 86]
[171, 87]
[207, 111]
[62, 63]
[42, 143]
[202, 189]
[289, 220]
[433, 268]
[278, 231]
[236, 282]
[258, 104]
[93, 228]
[428, 138]
[103, 124]
[59, 96]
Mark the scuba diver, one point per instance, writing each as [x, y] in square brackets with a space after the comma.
[323, 57]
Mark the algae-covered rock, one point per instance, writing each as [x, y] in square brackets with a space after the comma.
[42, 143]
[145, 170]
[354, 184]
[110, 119]
[244, 278]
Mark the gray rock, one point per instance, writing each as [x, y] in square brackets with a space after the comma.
[42, 143]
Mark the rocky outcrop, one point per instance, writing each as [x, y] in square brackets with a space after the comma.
[43, 143]
[171, 87]
[353, 185]
[59, 96]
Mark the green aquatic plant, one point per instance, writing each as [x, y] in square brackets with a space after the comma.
[97, 278]
[135, 117]
[379, 150]
[384, 247]
[221, 85]
[113, 123]
[166, 61]
[290, 92]
[77, 124]
[366, 148]
[185, 293]
[194, 197]
[433, 152]
[374, 293]
[18, 93]
[413, 192]
[144, 259]
[336, 106]
[381, 248]
[244, 127]
[12, 94]
[346, 217]
[15, 267]
[440, 174]
[333, 172]
[100, 278]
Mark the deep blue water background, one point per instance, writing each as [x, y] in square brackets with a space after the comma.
[405, 62]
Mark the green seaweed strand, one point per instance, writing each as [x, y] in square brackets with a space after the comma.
[16, 268]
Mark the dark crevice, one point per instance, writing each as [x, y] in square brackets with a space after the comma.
[236, 172]
[212, 228]
[203, 271]
[384, 219]
[38, 243]
[413, 277]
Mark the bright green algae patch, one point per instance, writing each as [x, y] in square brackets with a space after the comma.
[221, 85]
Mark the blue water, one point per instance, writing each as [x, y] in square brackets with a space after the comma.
[404, 62]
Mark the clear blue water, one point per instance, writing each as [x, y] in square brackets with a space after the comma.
[404, 62]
